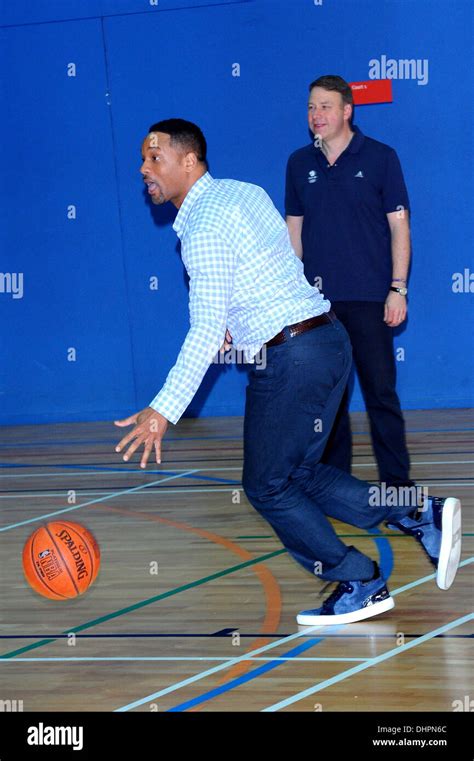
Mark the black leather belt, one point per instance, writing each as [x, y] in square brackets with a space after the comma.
[302, 327]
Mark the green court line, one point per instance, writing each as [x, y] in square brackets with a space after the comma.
[176, 590]
[143, 603]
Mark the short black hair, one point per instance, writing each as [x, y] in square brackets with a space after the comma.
[185, 135]
[334, 82]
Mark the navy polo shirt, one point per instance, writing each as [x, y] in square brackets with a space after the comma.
[346, 236]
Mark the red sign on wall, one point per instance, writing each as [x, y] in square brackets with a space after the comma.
[372, 91]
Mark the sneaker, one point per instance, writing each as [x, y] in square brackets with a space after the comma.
[351, 601]
[438, 529]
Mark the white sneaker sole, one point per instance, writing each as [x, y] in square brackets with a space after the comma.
[347, 618]
[450, 550]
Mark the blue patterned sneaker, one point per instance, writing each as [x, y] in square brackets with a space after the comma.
[438, 529]
[351, 601]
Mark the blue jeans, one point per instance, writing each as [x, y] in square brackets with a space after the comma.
[291, 403]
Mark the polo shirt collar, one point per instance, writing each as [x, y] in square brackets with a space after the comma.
[356, 142]
[195, 191]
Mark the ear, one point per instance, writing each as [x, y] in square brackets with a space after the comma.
[347, 111]
[190, 161]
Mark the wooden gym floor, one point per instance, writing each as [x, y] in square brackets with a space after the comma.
[214, 629]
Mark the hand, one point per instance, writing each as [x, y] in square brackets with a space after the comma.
[395, 309]
[227, 342]
[149, 430]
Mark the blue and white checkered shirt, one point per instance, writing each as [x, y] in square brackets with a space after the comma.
[244, 276]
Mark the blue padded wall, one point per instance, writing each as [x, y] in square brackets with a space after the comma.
[89, 339]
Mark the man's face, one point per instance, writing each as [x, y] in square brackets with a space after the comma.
[163, 169]
[327, 113]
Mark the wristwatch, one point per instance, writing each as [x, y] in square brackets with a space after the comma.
[401, 291]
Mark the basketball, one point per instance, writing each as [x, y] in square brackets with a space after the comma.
[61, 560]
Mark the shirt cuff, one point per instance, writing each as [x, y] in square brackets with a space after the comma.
[163, 404]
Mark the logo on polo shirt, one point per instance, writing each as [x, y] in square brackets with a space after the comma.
[360, 173]
[312, 176]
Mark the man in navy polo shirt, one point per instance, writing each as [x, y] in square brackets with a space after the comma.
[347, 214]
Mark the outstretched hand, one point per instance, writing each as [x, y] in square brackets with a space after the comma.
[150, 427]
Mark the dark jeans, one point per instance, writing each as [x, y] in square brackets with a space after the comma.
[372, 346]
[290, 409]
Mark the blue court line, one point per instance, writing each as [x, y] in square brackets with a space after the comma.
[113, 467]
[208, 672]
[386, 565]
[274, 663]
[94, 468]
[368, 664]
[385, 553]
[95, 501]
[264, 648]
[171, 463]
[91, 470]
[215, 437]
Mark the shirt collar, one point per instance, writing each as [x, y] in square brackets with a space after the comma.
[357, 140]
[355, 144]
[195, 191]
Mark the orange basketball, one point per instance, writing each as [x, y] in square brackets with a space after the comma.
[61, 560]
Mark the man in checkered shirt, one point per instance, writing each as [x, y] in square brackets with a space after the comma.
[248, 286]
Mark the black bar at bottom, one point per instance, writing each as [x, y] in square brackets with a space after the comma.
[145, 734]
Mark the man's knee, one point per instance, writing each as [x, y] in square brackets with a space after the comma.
[262, 495]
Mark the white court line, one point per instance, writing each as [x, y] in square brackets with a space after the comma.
[283, 641]
[13, 659]
[177, 490]
[68, 473]
[368, 664]
[95, 501]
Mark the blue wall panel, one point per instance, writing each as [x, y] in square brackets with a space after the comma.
[59, 153]
[87, 280]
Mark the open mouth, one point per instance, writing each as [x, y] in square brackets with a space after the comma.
[152, 186]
